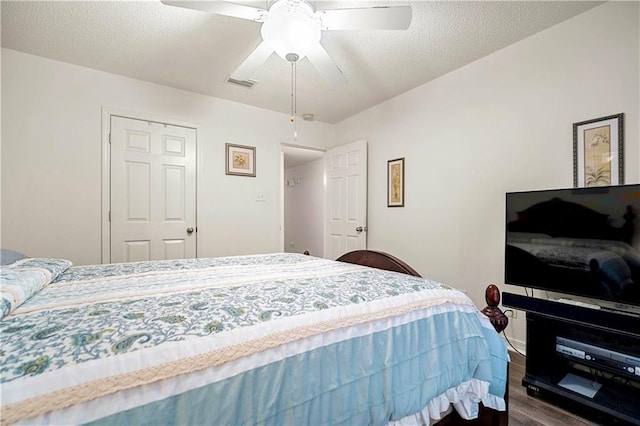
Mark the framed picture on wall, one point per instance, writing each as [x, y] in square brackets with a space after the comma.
[395, 183]
[598, 152]
[240, 160]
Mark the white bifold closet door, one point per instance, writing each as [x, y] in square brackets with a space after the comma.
[153, 191]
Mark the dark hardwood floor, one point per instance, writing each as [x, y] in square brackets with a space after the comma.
[526, 410]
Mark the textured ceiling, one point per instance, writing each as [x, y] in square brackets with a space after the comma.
[197, 51]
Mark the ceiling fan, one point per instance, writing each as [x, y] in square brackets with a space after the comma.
[292, 29]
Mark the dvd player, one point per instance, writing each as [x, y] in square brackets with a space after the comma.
[616, 361]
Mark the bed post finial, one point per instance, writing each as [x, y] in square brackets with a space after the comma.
[498, 319]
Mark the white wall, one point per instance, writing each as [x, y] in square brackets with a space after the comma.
[0, 149]
[500, 124]
[51, 157]
[304, 208]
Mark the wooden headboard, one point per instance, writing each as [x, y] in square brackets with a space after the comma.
[379, 260]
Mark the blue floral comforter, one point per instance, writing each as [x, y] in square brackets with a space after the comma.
[265, 339]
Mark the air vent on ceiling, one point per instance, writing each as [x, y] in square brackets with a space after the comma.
[244, 83]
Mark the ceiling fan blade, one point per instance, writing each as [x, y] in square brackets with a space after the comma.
[325, 66]
[222, 8]
[373, 18]
[254, 61]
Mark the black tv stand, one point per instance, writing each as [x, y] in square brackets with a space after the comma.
[597, 351]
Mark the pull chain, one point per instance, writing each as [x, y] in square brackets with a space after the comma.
[293, 58]
[295, 100]
[292, 91]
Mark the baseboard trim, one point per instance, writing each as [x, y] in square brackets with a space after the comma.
[518, 346]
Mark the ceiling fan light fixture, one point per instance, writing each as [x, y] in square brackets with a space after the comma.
[293, 28]
[290, 29]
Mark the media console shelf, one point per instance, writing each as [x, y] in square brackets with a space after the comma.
[588, 356]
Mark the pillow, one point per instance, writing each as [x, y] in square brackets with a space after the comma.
[24, 278]
[18, 287]
[7, 257]
[52, 267]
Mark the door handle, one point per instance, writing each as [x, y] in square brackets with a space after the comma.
[360, 229]
[190, 230]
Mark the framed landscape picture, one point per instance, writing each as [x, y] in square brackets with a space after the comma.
[598, 152]
[240, 160]
[395, 183]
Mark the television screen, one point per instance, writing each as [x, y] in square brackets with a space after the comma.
[577, 241]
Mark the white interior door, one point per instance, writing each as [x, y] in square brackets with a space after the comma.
[346, 216]
[153, 191]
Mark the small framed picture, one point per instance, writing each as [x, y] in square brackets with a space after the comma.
[240, 160]
[395, 183]
[598, 152]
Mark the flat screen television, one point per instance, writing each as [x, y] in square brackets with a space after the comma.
[576, 241]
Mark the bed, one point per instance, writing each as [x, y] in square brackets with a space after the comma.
[262, 339]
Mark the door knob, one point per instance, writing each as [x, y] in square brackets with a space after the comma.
[190, 230]
[360, 229]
